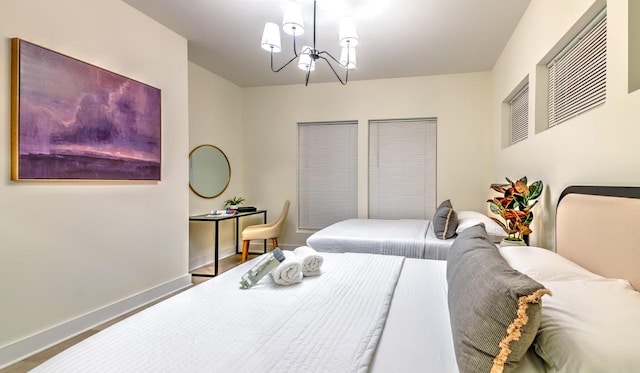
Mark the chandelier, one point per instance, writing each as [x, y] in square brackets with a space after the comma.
[293, 25]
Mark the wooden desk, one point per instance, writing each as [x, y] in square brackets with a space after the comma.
[217, 219]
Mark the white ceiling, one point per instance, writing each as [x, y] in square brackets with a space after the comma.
[398, 38]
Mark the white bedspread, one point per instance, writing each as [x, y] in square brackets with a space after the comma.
[328, 323]
[405, 237]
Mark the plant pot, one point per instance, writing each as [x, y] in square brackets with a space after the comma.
[506, 242]
[233, 207]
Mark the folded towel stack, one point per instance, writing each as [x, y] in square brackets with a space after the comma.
[311, 260]
[289, 271]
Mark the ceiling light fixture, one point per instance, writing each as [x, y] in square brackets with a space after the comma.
[293, 25]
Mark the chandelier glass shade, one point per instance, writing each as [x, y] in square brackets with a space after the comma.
[293, 24]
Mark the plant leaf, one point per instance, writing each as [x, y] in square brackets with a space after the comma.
[508, 202]
[500, 188]
[528, 220]
[511, 214]
[535, 189]
[501, 224]
[523, 229]
[521, 201]
[495, 207]
[521, 187]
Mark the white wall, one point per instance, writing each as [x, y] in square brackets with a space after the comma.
[215, 118]
[70, 248]
[460, 102]
[597, 148]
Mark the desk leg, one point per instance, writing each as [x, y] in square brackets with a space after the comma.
[237, 219]
[215, 254]
[265, 241]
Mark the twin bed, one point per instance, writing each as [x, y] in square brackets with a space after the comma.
[410, 238]
[385, 313]
[405, 237]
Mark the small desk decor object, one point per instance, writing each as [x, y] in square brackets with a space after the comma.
[71, 120]
[246, 209]
[234, 203]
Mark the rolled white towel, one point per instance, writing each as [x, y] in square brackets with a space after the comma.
[289, 271]
[311, 260]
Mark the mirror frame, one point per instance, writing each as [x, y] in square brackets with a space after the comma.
[193, 189]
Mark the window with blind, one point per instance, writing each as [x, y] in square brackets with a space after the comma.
[577, 75]
[519, 116]
[402, 169]
[327, 173]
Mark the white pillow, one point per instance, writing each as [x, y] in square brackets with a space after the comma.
[590, 325]
[544, 265]
[467, 219]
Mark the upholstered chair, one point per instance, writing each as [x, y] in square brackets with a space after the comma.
[269, 231]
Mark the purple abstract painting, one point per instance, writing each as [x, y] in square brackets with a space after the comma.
[74, 120]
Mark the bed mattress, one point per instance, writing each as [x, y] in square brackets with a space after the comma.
[405, 237]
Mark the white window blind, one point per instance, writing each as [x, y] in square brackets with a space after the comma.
[327, 173]
[402, 169]
[519, 113]
[577, 76]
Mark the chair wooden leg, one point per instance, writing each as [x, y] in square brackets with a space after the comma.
[274, 242]
[245, 250]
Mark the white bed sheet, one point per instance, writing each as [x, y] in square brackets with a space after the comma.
[410, 238]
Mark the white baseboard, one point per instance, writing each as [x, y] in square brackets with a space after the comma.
[208, 259]
[21, 349]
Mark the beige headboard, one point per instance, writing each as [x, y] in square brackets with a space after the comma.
[599, 228]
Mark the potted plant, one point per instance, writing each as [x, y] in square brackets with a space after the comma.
[233, 203]
[515, 208]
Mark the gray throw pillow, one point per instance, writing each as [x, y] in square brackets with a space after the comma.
[445, 221]
[494, 309]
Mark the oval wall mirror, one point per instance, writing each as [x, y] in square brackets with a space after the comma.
[209, 171]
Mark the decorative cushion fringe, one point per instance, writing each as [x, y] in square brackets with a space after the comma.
[513, 331]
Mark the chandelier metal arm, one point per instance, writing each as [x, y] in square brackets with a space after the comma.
[346, 79]
[295, 55]
[283, 66]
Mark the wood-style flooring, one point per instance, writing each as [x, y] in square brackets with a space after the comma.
[39, 358]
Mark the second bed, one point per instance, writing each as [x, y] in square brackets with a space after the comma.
[411, 238]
